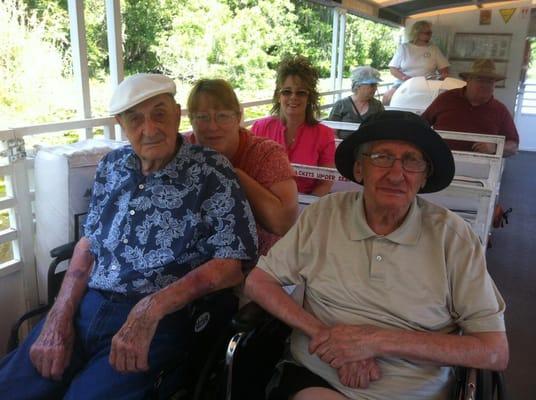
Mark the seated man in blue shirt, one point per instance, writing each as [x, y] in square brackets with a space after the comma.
[167, 224]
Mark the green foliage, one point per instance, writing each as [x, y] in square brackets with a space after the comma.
[315, 28]
[239, 40]
[30, 65]
[143, 21]
[227, 39]
[368, 43]
[97, 45]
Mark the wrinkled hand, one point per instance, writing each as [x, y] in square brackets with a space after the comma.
[344, 343]
[488, 148]
[359, 374]
[130, 345]
[51, 352]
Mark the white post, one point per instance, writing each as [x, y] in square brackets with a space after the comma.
[25, 230]
[80, 63]
[340, 64]
[334, 53]
[115, 54]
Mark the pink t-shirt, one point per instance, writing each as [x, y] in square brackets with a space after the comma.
[266, 162]
[314, 145]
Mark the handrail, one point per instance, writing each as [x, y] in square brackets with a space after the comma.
[109, 121]
[20, 132]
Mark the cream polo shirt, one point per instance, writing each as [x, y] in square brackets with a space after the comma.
[429, 275]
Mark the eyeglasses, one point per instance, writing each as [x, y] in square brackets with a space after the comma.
[298, 93]
[219, 117]
[426, 32]
[409, 163]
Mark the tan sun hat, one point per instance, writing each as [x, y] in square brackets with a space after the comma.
[483, 67]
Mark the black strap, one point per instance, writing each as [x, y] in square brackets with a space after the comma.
[355, 109]
[354, 106]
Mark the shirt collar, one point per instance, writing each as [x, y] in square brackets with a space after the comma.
[408, 233]
[133, 162]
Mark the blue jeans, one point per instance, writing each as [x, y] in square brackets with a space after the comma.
[89, 374]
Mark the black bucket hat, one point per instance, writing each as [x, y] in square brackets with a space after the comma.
[407, 127]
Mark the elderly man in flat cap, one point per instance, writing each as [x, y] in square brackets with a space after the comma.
[167, 224]
[396, 288]
[474, 109]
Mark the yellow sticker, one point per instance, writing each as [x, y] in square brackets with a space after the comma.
[506, 14]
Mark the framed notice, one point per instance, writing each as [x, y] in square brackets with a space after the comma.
[468, 47]
[481, 45]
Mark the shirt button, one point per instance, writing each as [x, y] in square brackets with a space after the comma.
[132, 212]
[113, 267]
[141, 186]
[378, 258]
[125, 241]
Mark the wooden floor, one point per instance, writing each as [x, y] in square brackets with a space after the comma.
[512, 263]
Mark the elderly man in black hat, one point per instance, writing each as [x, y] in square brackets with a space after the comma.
[396, 288]
[474, 109]
[167, 224]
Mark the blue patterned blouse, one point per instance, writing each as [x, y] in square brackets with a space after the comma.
[148, 231]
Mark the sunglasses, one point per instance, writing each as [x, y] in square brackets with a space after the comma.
[298, 93]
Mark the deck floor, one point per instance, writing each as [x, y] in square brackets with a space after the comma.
[512, 263]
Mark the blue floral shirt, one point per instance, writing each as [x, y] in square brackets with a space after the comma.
[148, 231]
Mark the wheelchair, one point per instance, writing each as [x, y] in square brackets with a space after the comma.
[211, 331]
[261, 339]
[234, 352]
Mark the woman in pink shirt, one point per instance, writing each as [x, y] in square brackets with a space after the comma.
[261, 165]
[293, 123]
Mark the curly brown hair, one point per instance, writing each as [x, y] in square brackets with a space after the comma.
[302, 68]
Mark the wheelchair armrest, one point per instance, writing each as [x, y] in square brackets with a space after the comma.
[480, 384]
[13, 341]
[249, 317]
[63, 252]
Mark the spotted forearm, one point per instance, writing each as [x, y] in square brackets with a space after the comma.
[75, 282]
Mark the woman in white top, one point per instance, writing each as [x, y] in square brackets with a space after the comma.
[417, 57]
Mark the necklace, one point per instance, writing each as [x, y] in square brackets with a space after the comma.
[290, 141]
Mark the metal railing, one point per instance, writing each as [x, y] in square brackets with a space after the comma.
[17, 173]
[526, 98]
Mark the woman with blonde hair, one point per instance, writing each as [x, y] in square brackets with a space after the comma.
[417, 57]
[261, 165]
[294, 123]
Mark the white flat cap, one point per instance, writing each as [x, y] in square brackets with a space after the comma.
[138, 88]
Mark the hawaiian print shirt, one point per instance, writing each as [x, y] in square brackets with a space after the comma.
[148, 231]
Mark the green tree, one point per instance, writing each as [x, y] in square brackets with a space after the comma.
[368, 43]
[30, 66]
[233, 40]
[144, 21]
[315, 25]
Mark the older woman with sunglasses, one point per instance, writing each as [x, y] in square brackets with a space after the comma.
[417, 57]
[293, 123]
[261, 165]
